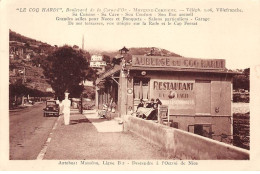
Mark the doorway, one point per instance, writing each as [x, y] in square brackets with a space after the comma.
[203, 97]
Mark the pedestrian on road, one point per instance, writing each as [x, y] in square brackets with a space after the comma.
[66, 108]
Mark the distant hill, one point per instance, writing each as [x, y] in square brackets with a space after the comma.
[139, 51]
[13, 36]
[156, 51]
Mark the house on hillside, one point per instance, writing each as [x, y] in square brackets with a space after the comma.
[16, 49]
[20, 50]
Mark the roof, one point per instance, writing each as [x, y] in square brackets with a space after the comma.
[183, 70]
[119, 56]
[51, 100]
[16, 43]
[124, 49]
[110, 72]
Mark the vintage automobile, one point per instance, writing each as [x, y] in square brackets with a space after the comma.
[52, 108]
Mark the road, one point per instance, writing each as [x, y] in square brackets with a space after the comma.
[29, 131]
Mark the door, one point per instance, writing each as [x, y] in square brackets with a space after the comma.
[203, 97]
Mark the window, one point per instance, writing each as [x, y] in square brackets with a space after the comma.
[204, 130]
[175, 125]
[141, 88]
[137, 89]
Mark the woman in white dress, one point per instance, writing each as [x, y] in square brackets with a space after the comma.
[66, 108]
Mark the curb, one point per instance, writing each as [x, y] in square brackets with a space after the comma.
[45, 146]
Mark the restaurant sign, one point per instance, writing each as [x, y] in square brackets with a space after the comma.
[178, 62]
[178, 95]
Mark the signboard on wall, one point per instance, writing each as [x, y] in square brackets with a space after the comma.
[178, 62]
[179, 95]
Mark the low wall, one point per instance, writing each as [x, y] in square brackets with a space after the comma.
[180, 144]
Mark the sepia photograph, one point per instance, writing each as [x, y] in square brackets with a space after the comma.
[120, 85]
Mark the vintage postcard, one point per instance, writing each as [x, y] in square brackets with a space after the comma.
[130, 85]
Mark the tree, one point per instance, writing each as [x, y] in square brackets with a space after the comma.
[27, 44]
[242, 81]
[106, 58]
[66, 68]
[38, 60]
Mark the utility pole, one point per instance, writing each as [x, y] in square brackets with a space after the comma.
[83, 42]
[23, 83]
[23, 75]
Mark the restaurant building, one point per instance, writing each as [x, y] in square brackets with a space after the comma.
[197, 92]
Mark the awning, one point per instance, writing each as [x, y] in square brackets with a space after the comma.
[109, 73]
[183, 70]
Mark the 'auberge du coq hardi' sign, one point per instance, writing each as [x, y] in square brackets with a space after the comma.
[177, 94]
[178, 62]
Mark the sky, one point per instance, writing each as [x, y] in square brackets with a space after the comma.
[234, 37]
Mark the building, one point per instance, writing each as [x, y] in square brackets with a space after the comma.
[124, 50]
[197, 92]
[97, 61]
[16, 49]
[97, 64]
[49, 89]
[87, 83]
[20, 50]
[96, 58]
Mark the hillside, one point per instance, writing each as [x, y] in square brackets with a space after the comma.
[31, 75]
[13, 36]
[138, 51]
[26, 55]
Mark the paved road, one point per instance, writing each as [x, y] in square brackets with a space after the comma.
[29, 131]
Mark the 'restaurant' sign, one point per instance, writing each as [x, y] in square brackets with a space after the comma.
[178, 62]
[178, 95]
